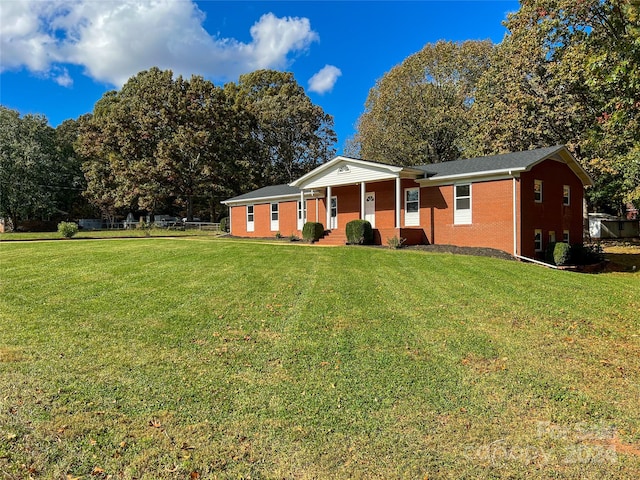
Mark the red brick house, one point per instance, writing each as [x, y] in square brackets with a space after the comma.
[516, 202]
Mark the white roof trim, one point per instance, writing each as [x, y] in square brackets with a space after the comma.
[481, 176]
[392, 169]
[293, 196]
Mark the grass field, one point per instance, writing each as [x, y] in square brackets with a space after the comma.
[203, 358]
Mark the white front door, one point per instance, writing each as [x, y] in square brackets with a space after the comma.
[370, 208]
[302, 213]
[333, 217]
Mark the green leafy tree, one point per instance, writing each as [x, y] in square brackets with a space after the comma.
[27, 167]
[293, 135]
[568, 73]
[419, 111]
[70, 181]
[159, 142]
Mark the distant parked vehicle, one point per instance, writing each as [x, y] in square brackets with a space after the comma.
[167, 221]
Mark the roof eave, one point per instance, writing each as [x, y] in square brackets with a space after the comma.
[506, 172]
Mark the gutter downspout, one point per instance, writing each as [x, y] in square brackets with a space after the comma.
[515, 217]
[537, 262]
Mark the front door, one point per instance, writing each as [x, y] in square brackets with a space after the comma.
[333, 217]
[370, 208]
[302, 214]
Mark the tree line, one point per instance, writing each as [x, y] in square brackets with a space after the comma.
[567, 72]
[163, 144]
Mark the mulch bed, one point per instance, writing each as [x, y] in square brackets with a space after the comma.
[476, 251]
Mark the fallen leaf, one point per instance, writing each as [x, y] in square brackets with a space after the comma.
[97, 471]
[194, 475]
[155, 423]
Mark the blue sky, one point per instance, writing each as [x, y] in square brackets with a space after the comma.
[57, 58]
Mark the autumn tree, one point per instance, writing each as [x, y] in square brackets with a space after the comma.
[418, 112]
[159, 142]
[27, 167]
[567, 73]
[293, 134]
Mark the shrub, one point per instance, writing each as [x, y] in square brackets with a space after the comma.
[224, 224]
[395, 241]
[359, 232]
[312, 231]
[561, 253]
[145, 227]
[67, 229]
[548, 253]
[586, 254]
[278, 235]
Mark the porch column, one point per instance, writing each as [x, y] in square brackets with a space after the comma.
[363, 189]
[398, 201]
[302, 206]
[328, 204]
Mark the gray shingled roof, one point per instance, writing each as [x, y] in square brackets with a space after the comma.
[507, 161]
[267, 192]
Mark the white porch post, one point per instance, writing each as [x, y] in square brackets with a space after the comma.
[398, 201]
[363, 189]
[302, 206]
[328, 204]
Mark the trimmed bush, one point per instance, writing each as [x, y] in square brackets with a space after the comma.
[224, 224]
[561, 253]
[67, 229]
[586, 254]
[312, 231]
[359, 232]
[548, 253]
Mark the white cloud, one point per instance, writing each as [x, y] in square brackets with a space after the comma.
[114, 40]
[324, 80]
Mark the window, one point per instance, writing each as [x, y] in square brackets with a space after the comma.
[250, 224]
[552, 237]
[537, 191]
[412, 207]
[275, 224]
[538, 240]
[565, 236]
[566, 195]
[462, 204]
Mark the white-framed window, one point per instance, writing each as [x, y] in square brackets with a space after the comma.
[462, 204]
[275, 217]
[538, 240]
[537, 191]
[412, 207]
[250, 217]
[566, 195]
[552, 237]
[565, 236]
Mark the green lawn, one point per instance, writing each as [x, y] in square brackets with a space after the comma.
[206, 358]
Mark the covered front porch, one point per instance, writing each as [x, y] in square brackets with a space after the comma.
[386, 196]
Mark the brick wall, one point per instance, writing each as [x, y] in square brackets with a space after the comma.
[492, 216]
[551, 214]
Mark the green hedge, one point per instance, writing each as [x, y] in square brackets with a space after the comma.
[359, 232]
[561, 253]
[312, 231]
[224, 224]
